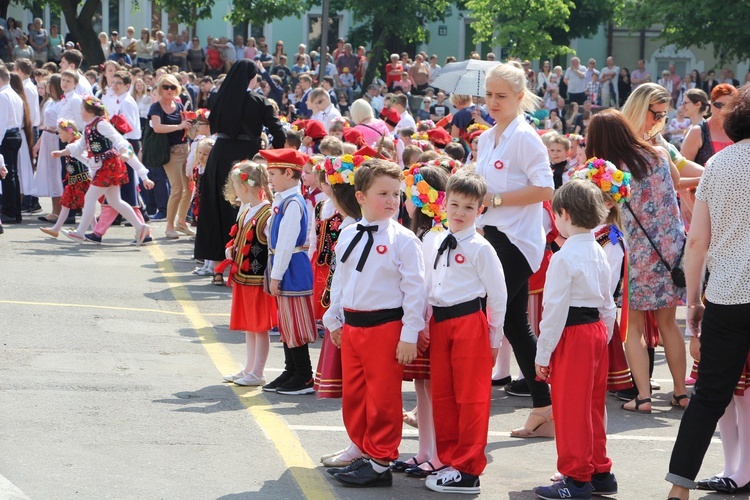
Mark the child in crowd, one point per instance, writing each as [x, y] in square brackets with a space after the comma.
[289, 273]
[410, 155]
[428, 221]
[337, 128]
[331, 146]
[377, 293]
[312, 194]
[328, 377]
[464, 276]
[202, 150]
[576, 152]
[253, 310]
[558, 147]
[105, 146]
[77, 178]
[455, 151]
[572, 352]
[293, 140]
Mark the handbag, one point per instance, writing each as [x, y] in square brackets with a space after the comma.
[121, 124]
[675, 271]
[155, 148]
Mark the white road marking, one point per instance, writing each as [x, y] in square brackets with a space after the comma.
[9, 491]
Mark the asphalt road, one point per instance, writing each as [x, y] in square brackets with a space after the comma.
[110, 387]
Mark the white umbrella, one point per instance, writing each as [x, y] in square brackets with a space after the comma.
[465, 77]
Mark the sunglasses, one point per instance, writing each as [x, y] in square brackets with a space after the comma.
[168, 87]
[658, 116]
[718, 105]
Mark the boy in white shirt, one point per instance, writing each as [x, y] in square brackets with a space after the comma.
[376, 314]
[577, 324]
[464, 277]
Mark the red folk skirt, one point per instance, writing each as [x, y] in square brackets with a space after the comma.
[113, 172]
[74, 194]
[253, 310]
[328, 379]
[618, 378]
[320, 279]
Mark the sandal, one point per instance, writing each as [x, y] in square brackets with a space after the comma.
[419, 472]
[546, 429]
[218, 279]
[676, 401]
[401, 466]
[638, 403]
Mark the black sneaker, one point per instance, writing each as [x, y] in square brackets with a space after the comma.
[277, 382]
[356, 464]
[70, 221]
[452, 481]
[604, 484]
[296, 386]
[93, 238]
[502, 381]
[518, 388]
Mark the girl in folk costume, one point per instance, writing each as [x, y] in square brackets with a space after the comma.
[253, 310]
[77, 180]
[339, 176]
[323, 236]
[425, 200]
[616, 186]
[197, 167]
[104, 146]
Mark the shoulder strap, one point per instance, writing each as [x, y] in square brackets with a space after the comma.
[653, 245]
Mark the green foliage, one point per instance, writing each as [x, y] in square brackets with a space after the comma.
[522, 27]
[696, 23]
[586, 18]
[256, 12]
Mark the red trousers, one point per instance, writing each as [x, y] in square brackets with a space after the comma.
[372, 388]
[578, 374]
[461, 372]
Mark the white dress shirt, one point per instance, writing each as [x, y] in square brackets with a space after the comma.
[289, 229]
[32, 97]
[392, 277]
[84, 87]
[578, 276]
[124, 105]
[473, 270]
[519, 160]
[11, 110]
[327, 116]
[70, 109]
[406, 121]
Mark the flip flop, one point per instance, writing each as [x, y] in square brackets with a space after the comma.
[638, 403]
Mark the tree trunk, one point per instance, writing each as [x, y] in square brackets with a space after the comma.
[378, 55]
[4, 8]
[82, 29]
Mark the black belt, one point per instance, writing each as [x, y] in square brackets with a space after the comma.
[14, 130]
[241, 137]
[462, 309]
[366, 319]
[582, 316]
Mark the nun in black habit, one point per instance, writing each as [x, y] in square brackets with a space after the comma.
[238, 118]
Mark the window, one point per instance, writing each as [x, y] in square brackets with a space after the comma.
[469, 45]
[114, 16]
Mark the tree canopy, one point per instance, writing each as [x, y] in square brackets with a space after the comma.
[698, 23]
[256, 12]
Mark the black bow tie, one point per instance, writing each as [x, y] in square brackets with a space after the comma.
[449, 243]
[361, 230]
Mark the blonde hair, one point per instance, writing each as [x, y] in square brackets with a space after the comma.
[458, 99]
[168, 78]
[360, 111]
[256, 172]
[516, 79]
[638, 104]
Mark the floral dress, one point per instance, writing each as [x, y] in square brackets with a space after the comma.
[654, 201]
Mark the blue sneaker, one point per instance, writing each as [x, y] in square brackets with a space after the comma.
[604, 484]
[564, 489]
[93, 238]
[159, 216]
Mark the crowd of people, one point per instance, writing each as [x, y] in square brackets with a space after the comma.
[458, 230]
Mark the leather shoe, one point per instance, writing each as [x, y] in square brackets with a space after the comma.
[10, 220]
[356, 464]
[703, 483]
[365, 477]
[723, 485]
[402, 465]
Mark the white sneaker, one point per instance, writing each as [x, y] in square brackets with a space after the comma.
[236, 376]
[250, 380]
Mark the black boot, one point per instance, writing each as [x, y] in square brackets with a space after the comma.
[286, 375]
[302, 381]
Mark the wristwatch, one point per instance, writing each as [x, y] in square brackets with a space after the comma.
[497, 200]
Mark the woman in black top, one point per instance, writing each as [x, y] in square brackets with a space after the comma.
[238, 117]
[624, 87]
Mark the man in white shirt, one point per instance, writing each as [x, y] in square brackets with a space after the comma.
[575, 79]
[71, 59]
[11, 123]
[302, 51]
[71, 102]
[323, 110]
[401, 103]
[608, 77]
[23, 70]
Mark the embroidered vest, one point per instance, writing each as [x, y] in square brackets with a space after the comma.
[327, 232]
[298, 278]
[100, 148]
[251, 248]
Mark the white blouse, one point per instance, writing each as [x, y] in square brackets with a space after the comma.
[519, 160]
[724, 188]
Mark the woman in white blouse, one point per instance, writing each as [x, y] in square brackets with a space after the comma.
[513, 160]
[719, 239]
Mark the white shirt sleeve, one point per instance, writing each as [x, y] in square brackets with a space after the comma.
[118, 141]
[286, 242]
[140, 170]
[556, 305]
[129, 109]
[493, 278]
[77, 148]
[5, 112]
[333, 319]
[411, 267]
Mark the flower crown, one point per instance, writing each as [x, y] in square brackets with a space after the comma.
[69, 126]
[475, 127]
[202, 114]
[341, 120]
[448, 164]
[574, 137]
[244, 177]
[607, 177]
[420, 136]
[340, 170]
[429, 123]
[425, 197]
[94, 102]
